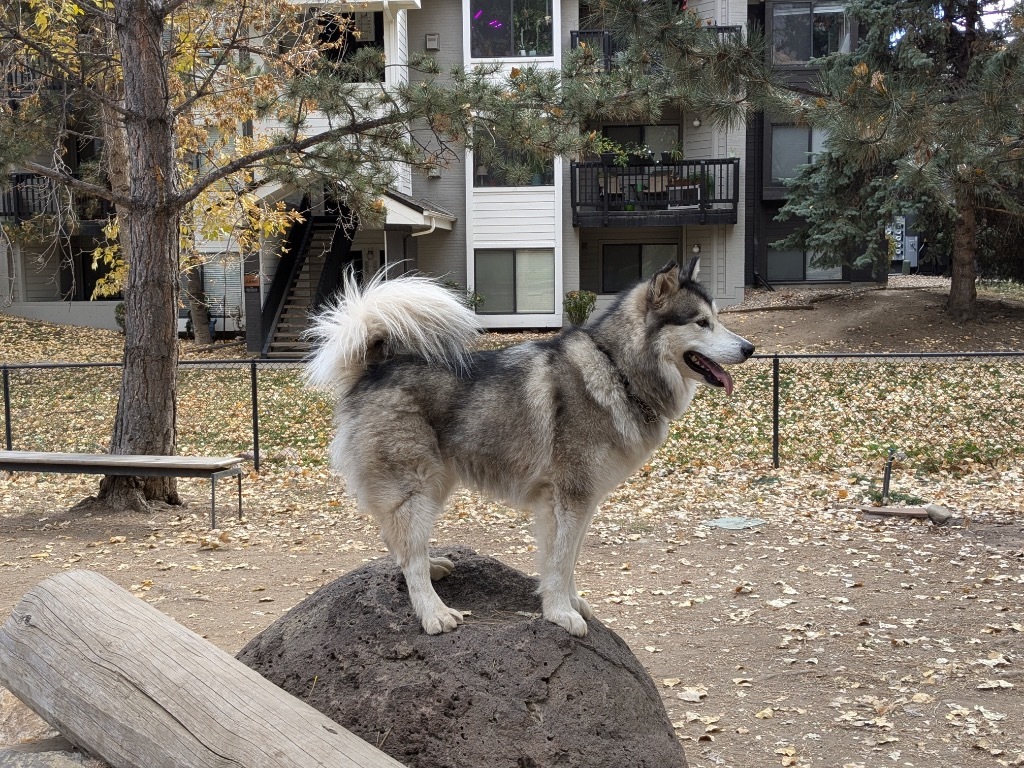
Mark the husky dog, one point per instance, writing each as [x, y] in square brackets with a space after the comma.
[552, 426]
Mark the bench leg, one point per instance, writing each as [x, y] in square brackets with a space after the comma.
[213, 494]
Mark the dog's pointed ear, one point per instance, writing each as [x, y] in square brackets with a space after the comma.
[690, 271]
[664, 283]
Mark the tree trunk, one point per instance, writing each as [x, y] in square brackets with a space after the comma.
[146, 411]
[198, 308]
[962, 303]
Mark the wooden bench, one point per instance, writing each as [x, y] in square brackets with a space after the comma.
[213, 467]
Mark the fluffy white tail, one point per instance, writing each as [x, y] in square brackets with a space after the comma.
[407, 315]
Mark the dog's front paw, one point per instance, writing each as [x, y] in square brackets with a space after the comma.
[570, 620]
[583, 607]
[444, 619]
[440, 567]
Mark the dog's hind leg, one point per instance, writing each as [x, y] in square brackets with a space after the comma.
[406, 531]
[563, 534]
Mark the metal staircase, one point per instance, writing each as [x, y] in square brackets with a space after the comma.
[286, 340]
[308, 275]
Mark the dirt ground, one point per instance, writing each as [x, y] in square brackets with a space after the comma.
[819, 637]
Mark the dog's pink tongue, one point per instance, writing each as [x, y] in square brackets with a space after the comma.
[719, 373]
[726, 379]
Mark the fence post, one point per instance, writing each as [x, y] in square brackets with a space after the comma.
[775, 410]
[255, 416]
[7, 408]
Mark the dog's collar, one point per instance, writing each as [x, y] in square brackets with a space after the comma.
[649, 414]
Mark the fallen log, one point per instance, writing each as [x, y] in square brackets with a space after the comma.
[915, 512]
[132, 686]
[939, 515]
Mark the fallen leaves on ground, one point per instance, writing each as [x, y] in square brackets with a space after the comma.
[821, 638]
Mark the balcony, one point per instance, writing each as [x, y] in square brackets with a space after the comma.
[604, 47]
[24, 78]
[27, 195]
[655, 194]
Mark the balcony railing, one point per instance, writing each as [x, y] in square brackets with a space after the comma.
[598, 40]
[27, 195]
[655, 194]
[604, 47]
[25, 76]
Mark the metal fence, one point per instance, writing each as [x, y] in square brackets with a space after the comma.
[220, 403]
[235, 406]
[777, 361]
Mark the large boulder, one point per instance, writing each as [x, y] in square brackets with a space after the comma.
[505, 689]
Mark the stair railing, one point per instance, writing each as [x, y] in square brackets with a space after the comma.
[288, 268]
[334, 268]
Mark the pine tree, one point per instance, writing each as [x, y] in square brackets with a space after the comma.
[924, 117]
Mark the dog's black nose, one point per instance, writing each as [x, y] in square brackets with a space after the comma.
[747, 349]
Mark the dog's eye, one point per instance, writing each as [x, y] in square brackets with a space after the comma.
[704, 323]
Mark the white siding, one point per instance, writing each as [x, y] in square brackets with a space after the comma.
[222, 281]
[721, 256]
[8, 272]
[40, 274]
[698, 141]
[722, 247]
[520, 217]
[400, 54]
[396, 33]
[709, 10]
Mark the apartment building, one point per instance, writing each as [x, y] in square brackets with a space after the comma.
[519, 243]
[798, 32]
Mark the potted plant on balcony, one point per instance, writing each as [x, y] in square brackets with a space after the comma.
[691, 189]
[639, 154]
[707, 180]
[674, 155]
[611, 152]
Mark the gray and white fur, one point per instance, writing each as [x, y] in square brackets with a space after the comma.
[552, 426]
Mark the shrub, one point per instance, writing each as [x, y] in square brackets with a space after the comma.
[471, 299]
[578, 305]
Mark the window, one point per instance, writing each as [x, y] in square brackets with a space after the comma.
[830, 30]
[623, 266]
[791, 24]
[337, 37]
[515, 281]
[789, 266]
[657, 138]
[499, 165]
[793, 146]
[222, 282]
[802, 31]
[341, 35]
[510, 28]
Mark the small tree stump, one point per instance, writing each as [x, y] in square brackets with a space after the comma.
[127, 683]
